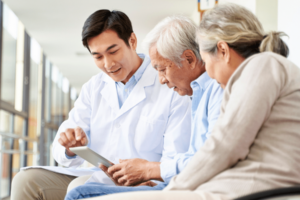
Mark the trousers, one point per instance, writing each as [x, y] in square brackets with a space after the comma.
[41, 184]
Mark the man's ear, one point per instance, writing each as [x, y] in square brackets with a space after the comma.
[223, 51]
[190, 57]
[133, 41]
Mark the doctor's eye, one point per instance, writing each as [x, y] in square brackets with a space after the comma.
[114, 52]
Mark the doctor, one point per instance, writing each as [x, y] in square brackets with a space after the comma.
[121, 113]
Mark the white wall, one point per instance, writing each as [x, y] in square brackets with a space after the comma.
[288, 22]
[267, 13]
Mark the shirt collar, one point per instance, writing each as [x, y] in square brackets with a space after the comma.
[203, 81]
[138, 74]
[140, 71]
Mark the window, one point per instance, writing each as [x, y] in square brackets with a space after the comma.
[34, 100]
[8, 63]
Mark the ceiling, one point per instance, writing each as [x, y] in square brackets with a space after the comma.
[57, 24]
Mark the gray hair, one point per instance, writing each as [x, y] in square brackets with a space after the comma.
[172, 36]
[240, 29]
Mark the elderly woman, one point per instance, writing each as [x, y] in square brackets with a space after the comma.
[254, 145]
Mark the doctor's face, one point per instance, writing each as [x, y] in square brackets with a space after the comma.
[169, 73]
[113, 56]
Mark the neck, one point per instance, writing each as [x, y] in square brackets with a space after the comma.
[136, 62]
[198, 70]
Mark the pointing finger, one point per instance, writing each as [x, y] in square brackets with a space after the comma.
[79, 133]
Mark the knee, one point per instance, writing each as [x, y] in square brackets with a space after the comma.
[73, 194]
[77, 182]
[19, 185]
[20, 179]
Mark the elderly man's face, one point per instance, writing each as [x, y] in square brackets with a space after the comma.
[169, 73]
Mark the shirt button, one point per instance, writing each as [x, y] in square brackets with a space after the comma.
[125, 90]
[117, 125]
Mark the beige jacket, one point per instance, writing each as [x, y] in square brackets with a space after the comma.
[255, 144]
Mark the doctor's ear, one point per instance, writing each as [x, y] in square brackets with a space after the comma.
[133, 41]
[189, 57]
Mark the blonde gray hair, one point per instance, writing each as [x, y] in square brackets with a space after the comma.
[172, 36]
[240, 29]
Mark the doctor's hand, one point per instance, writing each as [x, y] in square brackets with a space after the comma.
[73, 138]
[134, 171]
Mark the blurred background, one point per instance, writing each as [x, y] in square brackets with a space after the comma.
[43, 63]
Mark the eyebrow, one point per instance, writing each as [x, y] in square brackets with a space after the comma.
[108, 48]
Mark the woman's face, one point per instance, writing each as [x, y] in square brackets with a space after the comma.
[215, 68]
[220, 66]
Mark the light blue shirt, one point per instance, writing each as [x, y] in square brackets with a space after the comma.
[123, 91]
[206, 104]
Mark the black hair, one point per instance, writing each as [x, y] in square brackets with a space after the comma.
[103, 20]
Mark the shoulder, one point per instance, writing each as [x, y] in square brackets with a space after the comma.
[215, 93]
[214, 88]
[94, 81]
[259, 65]
[266, 61]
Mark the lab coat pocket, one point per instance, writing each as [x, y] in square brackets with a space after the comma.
[149, 135]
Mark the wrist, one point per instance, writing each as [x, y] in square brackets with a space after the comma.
[153, 171]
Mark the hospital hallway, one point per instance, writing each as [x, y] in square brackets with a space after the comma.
[44, 65]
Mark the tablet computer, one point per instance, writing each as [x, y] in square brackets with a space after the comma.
[90, 156]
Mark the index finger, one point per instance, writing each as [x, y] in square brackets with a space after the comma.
[103, 167]
[79, 134]
[114, 168]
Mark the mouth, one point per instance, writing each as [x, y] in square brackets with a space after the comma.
[115, 71]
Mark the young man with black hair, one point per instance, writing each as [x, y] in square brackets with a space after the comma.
[121, 113]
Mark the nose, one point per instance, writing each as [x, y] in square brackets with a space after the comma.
[108, 63]
[162, 80]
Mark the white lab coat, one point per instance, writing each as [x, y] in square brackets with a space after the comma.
[154, 122]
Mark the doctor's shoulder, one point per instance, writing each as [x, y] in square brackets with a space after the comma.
[94, 81]
[90, 87]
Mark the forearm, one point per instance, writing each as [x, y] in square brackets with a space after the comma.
[153, 171]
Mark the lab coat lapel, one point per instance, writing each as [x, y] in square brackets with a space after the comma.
[109, 93]
[138, 93]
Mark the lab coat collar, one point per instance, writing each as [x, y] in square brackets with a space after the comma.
[138, 94]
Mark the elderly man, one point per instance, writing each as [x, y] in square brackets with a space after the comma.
[175, 55]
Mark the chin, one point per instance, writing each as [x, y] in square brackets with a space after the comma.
[118, 78]
[181, 92]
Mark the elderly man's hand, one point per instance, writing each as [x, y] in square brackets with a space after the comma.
[132, 171]
[104, 169]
